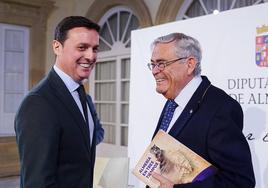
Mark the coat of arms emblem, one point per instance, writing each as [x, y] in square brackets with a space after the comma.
[262, 46]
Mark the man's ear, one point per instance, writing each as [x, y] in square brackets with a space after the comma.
[191, 63]
[57, 46]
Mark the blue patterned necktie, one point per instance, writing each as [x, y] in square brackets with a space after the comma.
[168, 114]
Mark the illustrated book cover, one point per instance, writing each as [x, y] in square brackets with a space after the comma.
[173, 160]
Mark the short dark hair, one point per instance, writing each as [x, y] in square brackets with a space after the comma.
[71, 22]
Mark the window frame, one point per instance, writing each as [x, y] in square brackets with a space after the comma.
[7, 118]
[117, 53]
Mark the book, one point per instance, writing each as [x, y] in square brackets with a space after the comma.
[167, 156]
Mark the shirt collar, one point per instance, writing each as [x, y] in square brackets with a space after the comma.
[186, 93]
[68, 81]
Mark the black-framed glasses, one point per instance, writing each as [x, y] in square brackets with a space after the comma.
[162, 64]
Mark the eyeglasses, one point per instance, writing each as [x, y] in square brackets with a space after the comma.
[162, 64]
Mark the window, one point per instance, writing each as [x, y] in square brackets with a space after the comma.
[112, 73]
[190, 9]
[116, 29]
[14, 42]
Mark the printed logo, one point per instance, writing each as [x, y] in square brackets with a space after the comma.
[262, 46]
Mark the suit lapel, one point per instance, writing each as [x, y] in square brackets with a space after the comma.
[191, 107]
[66, 98]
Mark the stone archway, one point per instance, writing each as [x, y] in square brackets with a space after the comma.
[137, 6]
[167, 11]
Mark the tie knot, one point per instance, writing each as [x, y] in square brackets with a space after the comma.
[82, 94]
[172, 105]
[81, 90]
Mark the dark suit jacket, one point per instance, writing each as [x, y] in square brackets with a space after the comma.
[211, 125]
[52, 138]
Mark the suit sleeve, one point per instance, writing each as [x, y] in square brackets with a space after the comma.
[37, 134]
[228, 150]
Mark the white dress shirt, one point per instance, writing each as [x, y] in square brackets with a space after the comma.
[183, 98]
[72, 86]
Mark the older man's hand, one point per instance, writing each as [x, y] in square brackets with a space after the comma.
[164, 182]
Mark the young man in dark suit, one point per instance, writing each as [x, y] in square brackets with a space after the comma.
[204, 117]
[57, 128]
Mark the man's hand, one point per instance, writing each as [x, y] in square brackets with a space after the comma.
[164, 182]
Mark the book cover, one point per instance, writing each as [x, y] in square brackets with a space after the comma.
[173, 160]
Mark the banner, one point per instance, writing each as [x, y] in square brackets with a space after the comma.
[235, 58]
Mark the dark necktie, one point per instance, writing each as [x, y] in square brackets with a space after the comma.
[83, 99]
[168, 114]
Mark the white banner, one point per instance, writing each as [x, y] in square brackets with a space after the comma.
[235, 56]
